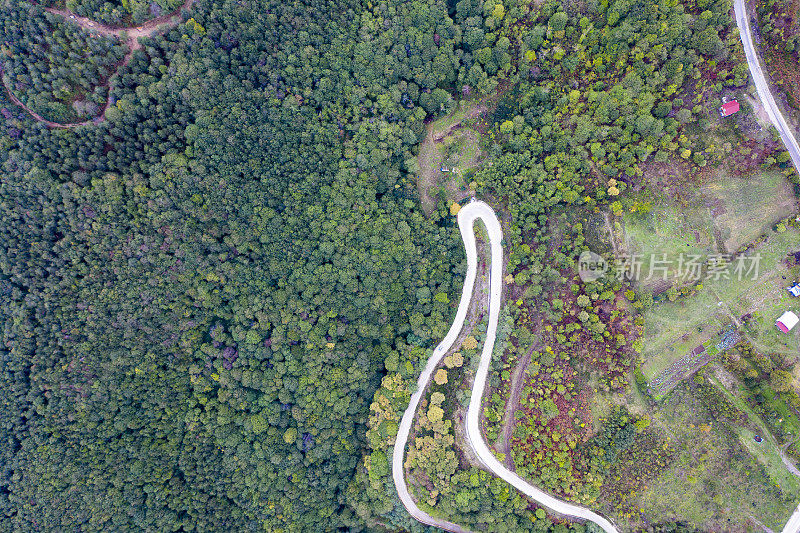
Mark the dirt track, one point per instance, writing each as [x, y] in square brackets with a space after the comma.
[40, 118]
[131, 37]
[128, 34]
[517, 383]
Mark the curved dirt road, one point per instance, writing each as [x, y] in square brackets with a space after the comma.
[467, 217]
[775, 116]
[129, 35]
[516, 384]
[37, 116]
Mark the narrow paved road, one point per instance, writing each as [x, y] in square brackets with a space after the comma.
[398, 455]
[787, 136]
[762, 86]
[466, 220]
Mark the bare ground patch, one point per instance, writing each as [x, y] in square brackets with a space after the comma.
[440, 169]
[517, 383]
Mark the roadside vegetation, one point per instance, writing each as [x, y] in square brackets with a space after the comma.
[696, 183]
[447, 481]
[778, 30]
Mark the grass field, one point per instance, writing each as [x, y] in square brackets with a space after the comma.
[443, 124]
[672, 331]
[715, 483]
[721, 216]
[768, 300]
[745, 207]
[674, 328]
[448, 144]
[668, 230]
[767, 455]
[790, 424]
[766, 452]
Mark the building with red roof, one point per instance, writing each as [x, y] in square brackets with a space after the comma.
[729, 108]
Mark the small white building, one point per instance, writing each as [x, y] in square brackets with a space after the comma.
[787, 321]
[794, 291]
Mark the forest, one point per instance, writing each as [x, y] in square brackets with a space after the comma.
[117, 12]
[777, 24]
[201, 288]
[200, 291]
[218, 290]
[54, 67]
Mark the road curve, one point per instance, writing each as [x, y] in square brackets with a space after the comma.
[37, 116]
[775, 116]
[481, 210]
[398, 455]
[466, 220]
[131, 33]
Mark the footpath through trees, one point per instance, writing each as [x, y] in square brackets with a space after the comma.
[130, 35]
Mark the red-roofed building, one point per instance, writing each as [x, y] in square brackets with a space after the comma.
[729, 108]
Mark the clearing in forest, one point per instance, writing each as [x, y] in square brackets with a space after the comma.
[450, 150]
[665, 232]
[724, 214]
[745, 207]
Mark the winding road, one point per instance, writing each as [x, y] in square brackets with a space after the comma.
[40, 118]
[760, 80]
[129, 34]
[467, 217]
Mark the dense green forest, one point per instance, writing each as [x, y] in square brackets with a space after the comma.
[54, 67]
[199, 292]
